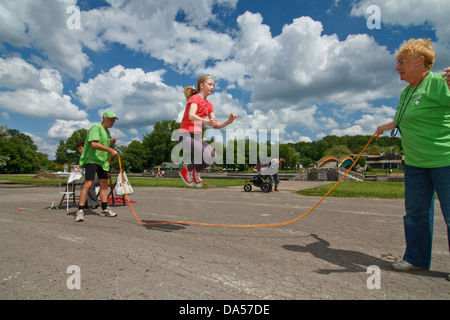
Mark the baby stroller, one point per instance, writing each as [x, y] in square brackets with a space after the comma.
[258, 181]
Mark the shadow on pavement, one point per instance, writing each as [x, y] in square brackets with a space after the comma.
[349, 261]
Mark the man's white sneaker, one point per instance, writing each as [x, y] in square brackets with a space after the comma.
[108, 213]
[404, 266]
[79, 216]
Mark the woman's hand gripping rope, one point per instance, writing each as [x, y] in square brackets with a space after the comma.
[249, 225]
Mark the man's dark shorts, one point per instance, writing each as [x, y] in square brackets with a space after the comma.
[91, 169]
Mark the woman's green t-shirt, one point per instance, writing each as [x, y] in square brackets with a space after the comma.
[424, 116]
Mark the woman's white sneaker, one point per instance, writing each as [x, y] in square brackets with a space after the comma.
[404, 266]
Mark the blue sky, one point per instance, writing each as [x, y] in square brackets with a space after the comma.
[306, 68]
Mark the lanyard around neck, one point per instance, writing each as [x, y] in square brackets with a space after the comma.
[402, 110]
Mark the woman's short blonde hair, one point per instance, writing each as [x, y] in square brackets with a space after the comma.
[418, 48]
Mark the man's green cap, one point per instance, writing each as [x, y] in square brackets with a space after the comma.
[110, 114]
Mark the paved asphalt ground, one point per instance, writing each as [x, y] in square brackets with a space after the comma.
[45, 255]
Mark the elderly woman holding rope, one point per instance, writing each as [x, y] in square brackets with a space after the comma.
[423, 120]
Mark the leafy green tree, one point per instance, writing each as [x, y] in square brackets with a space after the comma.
[26, 140]
[158, 144]
[77, 136]
[43, 159]
[315, 150]
[61, 155]
[338, 151]
[18, 153]
[291, 156]
[133, 157]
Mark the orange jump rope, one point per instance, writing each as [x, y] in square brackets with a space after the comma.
[248, 225]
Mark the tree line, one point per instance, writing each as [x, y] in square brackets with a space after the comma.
[18, 153]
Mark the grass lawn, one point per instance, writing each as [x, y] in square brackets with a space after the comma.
[178, 183]
[135, 181]
[356, 189]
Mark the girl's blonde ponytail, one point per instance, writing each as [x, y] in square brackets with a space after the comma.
[189, 92]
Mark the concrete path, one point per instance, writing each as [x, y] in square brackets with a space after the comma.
[342, 250]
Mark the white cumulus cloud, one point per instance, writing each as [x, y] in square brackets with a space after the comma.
[138, 98]
[35, 92]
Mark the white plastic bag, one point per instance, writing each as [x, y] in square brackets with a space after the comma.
[120, 185]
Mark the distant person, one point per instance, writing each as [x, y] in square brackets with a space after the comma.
[197, 109]
[275, 165]
[271, 170]
[423, 119]
[95, 159]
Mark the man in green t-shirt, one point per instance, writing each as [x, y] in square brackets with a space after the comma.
[95, 159]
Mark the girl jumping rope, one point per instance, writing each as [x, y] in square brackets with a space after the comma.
[197, 109]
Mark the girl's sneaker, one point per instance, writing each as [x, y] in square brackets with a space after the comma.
[197, 179]
[186, 176]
